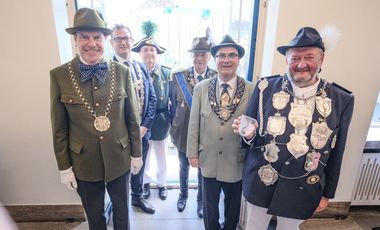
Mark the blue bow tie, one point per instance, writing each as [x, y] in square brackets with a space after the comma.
[98, 70]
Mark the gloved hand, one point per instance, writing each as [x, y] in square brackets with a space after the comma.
[136, 164]
[68, 178]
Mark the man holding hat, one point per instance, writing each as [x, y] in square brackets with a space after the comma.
[161, 76]
[181, 96]
[295, 154]
[212, 144]
[95, 123]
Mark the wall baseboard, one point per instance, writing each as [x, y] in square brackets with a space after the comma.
[51, 213]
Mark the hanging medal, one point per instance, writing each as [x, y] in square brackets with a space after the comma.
[312, 161]
[300, 115]
[323, 105]
[297, 145]
[320, 133]
[268, 175]
[271, 152]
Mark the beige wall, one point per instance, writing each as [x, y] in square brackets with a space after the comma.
[28, 172]
[354, 63]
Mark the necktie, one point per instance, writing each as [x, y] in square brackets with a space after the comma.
[98, 70]
[200, 78]
[225, 96]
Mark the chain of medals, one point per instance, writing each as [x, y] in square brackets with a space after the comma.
[139, 86]
[101, 123]
[300, 117]
[224, 113]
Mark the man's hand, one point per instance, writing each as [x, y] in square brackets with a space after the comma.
[322, 204]
[136, 164]
[143, 130]
[68, 178]
[249, 129]
[194, 162]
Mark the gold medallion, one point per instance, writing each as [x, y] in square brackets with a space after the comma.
[280, 100]
[224, 114]
[276, 125]
[323, 105]
[224, 99]
[300, 115]
[297, 145]
[312, 161]
[102, 123]
[313, 179]
[268, 175]
[320, 133]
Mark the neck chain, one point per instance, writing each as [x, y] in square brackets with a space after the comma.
[101, 123]
[321, 91]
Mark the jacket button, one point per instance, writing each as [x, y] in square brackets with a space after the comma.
[300, 187]
[326, 152]
[220, 152]
[97, 104]
[287, 163]
[70, 101]
[221, 123]
[221, 138]
[95, 88]
[101, 137]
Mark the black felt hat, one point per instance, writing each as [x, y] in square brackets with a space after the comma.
[228, 41]
[89, 20]
[306, 37]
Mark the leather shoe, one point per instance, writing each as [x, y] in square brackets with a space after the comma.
[162, 192]
[143, 205]
[181, 203]
[200, 210]
[146, 191]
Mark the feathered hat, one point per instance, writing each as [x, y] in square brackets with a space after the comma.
[148, 28]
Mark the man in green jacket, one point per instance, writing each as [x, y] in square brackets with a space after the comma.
[95, 123]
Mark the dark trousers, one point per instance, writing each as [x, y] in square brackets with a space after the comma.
[232, 198]
[92, 196]
[137, 180]
[184, 176]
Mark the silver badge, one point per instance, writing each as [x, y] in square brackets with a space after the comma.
[268, 175]
[271, 152]
[276, 125]
[297, 145]
[320, 133]
[312, 161]
[300, 115]
[312, 179]
[263, 84]
[280, 100]
[323, 105]
[102, 123]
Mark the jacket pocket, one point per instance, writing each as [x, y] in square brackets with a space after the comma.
[119, 95]
[75, 147]
[71, 99]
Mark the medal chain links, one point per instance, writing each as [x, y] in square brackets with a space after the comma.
[321, 91]
[84, 100]
[262, 86]
[293, 178]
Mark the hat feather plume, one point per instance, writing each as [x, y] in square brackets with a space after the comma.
[330, 35]
[149, 28]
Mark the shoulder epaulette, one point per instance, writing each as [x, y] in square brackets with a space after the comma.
[341, 87]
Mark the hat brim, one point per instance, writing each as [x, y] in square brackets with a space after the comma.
[137, 48]
[282, 49]
[73, 30]
[239, 48]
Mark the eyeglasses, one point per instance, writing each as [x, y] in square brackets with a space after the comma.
[223, 57]
[120, 39]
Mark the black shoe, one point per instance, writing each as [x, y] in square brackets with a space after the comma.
[143, 205]
[146, 191]
[200, 209]
[162, 192]
[181, 203]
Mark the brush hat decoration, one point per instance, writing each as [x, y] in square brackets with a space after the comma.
[148, 28]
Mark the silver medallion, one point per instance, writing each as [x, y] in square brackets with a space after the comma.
[323, 105]
[276, 125]
[300, 115]
[263, 84]
[312, 161]
[268, 175]
[271, 152]
[280, 100]
[297, 145]
[102, 123]
[320, 133]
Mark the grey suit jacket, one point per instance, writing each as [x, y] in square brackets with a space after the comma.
[94, 155]
[213, 140]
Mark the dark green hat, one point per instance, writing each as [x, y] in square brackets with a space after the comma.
[89, 20]
[200, 44]
[228, 42]
[306, 37]
[150, 42]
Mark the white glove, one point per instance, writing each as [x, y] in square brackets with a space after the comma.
[68, 178]
[136, 164]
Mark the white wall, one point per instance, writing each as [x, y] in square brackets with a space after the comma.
[28, 45]
[354, 63]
